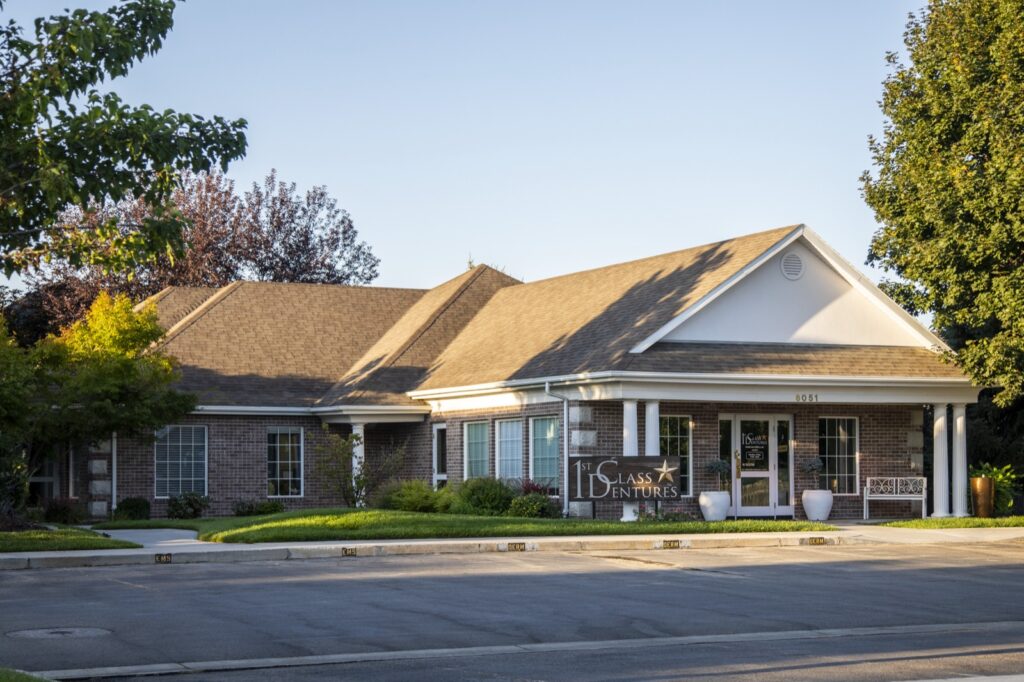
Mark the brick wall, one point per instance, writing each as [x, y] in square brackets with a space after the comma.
[456, 420]
[237, 463]
[888, 441]
[237, 450]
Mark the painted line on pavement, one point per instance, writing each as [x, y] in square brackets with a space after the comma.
[506, 649]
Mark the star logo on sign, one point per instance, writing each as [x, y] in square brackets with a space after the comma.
[666, 472]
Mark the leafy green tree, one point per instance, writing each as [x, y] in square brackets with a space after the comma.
[99, 376]
[948, 189]
[64, 143]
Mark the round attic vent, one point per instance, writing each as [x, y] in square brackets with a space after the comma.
[792, 266]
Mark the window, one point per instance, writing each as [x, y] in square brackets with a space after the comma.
[284, 461]
[476, 449]
[510, 450]
[180, 460]
[837, 447]
[674, 441]
[544, 452]
[440, 455]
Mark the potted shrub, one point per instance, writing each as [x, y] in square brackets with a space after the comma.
[714, 505]
[817, 502]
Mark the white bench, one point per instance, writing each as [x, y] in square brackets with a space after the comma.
[897, 488]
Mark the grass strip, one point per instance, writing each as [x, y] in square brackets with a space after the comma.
[58, 540]
[965, 522]
[380, 524]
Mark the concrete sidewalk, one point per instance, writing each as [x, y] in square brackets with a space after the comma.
[180, 546]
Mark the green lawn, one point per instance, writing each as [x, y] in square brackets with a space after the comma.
[377, 524]
[965, 522]
[58, 540]
[8, 675]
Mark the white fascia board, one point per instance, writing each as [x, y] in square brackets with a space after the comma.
[687, 378]
[858, 281]
[251, 410]
[365, 413]
[704, 301]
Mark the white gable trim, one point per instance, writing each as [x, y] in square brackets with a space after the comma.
[850, 274]
[718, 291]
[861, 283]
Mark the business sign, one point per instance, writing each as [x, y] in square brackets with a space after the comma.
[624, 478]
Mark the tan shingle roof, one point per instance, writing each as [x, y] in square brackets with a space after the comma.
[777, 358]
[398, 361]
[174, 303]
[588, 321]
[261, 343]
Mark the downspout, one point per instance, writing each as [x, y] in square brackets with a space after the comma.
[565, 446]
[113, 473]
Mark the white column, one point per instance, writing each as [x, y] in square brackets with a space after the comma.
[630, 448]
[940, 467]
[652, 420]
[959, 459]
[358, 452]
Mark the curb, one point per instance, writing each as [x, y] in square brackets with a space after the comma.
[338, 551]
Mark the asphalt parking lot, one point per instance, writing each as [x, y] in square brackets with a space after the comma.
[904, 612]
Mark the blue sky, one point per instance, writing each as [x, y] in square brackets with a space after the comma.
[541, 137]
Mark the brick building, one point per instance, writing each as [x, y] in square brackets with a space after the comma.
[771, 338]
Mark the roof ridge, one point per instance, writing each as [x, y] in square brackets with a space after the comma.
[445, 305]
[154, 299]
[204, 307]
[790, 228]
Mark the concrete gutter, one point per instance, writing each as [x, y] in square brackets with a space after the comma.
[175, 547]
[228, 553]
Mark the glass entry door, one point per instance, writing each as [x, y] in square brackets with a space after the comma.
[762, 465]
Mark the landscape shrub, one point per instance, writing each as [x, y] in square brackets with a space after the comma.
[63, 510]
[446, 497]
[258, 507]
[484, 496]
[534, 506]
[1004, 479]
[132, 509]
[187, 506]
[412, 496]
[528, 487]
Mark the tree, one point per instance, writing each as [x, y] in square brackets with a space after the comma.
[99, 376]
[272, 234]
[63, 142]
[308, 239]
[949, 188]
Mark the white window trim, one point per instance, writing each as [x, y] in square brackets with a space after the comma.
[437, 426]
[497, 446]
[206, 460]
[558, 478]
[302, 465]
[689, 449]
[856, 459]
[465, 446]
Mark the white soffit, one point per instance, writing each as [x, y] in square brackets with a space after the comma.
[801, 292]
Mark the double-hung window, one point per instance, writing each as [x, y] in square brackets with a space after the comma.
[510, 449]
[284, 461]
[180, 460]
[674, 441]
[837, 448]
[476, 446]
[544, 452]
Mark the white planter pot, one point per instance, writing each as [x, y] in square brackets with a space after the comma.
[714, 505]
[817, 504]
